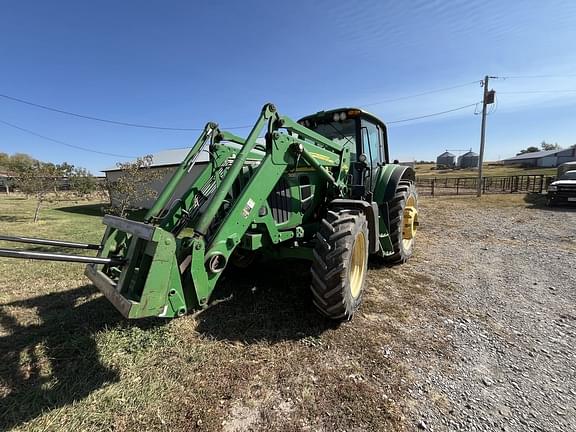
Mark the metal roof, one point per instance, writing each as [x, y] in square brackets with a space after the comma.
[176, 156]
[170, 158]
[536, 155]
[469, 154]
[446, 154]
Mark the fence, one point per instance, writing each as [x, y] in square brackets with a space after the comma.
[494, 184]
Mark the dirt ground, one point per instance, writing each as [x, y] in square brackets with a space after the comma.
[502, 291]
[476, 332]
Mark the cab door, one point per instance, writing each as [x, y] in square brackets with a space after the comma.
[371, 141]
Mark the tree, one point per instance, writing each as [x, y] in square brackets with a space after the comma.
[530, 149]
[20, 161]
[82, 183]
[38, 180]
[134, 184]
[4, 160]
[549, 146]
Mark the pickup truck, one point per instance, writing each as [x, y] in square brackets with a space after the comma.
[563, 189]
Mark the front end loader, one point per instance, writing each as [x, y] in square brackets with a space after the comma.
[320, 189]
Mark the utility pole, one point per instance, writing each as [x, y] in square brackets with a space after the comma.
[487, 99]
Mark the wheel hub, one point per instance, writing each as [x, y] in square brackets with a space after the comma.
[358, 264]
[410, 223]
[410, 220]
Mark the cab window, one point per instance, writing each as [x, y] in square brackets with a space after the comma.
[371, 144]
[341, 132]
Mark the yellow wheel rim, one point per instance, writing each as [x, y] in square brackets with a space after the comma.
[358, 264]
[410, 222]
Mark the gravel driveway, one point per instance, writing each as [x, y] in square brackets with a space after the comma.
[497, 346]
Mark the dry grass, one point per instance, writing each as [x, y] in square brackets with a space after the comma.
[531, 200]
[429, 171]
[262, 359]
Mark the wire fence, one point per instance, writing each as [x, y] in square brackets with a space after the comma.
[493, 184]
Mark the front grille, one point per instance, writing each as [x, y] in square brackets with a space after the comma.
[279, 201]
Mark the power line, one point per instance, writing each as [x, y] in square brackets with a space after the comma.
[421, 94]
[538, 76]
[434, 114]
[166, 128]
[44, 137]
[103, 120]
[539, 91]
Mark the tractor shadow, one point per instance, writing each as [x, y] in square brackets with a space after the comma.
[85, 209]
[100, 210]
[268, 302]
[538, 201]
[52, 360]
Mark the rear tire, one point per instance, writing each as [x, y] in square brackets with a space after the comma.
[340, 264]
[403, 222]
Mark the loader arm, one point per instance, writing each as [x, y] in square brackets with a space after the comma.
[166, 274]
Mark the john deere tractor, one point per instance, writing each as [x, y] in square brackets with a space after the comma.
[320, 189]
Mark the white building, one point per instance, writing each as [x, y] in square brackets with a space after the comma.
[165, 161]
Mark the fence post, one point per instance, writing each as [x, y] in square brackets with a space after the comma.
[483, 184]
[433, 184]
[457, 186]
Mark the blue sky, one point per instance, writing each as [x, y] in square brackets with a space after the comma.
[182, 64]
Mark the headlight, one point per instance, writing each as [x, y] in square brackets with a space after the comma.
[341, 116]
[552, 188]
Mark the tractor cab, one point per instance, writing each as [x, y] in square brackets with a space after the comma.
[363, 132]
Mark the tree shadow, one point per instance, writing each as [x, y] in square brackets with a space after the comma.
[538, 201]
[54, 361]
[13, 219]
[268, 302]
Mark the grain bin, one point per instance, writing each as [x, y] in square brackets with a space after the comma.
[468, 160]
[446, 160]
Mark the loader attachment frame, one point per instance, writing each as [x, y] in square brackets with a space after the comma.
[148, 283]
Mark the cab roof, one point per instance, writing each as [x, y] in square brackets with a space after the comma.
[358, 112]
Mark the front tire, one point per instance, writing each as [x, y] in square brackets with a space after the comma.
[340, 264]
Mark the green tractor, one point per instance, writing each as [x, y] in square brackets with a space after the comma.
[321, 189]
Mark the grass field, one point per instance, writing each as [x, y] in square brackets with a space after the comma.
[428, 171]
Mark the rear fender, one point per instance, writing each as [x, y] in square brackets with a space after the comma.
[387, 181]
